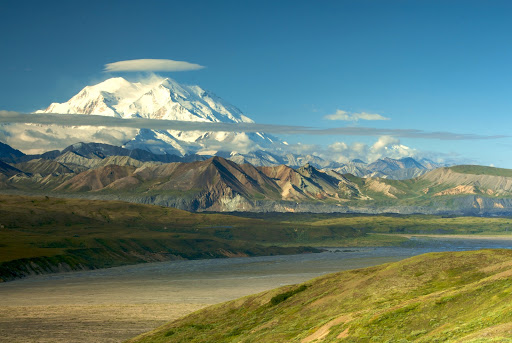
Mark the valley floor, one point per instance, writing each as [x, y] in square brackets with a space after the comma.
[95, 306]
[112, 305]
[78, 323]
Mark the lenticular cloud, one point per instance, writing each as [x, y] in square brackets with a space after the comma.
[151, 65]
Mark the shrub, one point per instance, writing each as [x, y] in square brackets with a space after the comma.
[283, 296]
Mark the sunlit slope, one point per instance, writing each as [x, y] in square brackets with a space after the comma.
[437, 297]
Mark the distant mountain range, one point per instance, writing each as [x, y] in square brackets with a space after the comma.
[197, 183]
[384, 168]
[388, 168]
[165, 99]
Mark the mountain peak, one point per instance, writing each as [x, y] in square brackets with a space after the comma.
[9, 154]
[114, 81]
[217, 159]
[357, 160]
[164, 99]
[152, 98]
[307, 170]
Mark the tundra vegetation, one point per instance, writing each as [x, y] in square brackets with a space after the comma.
[44, 235]
[436, 297]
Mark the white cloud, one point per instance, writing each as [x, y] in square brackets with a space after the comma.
[151, 65]
[385, 146]
[36, 139]
[384, 142]
[351, 116]
[343, 152]
[388, 146]
[230, 141]
[339, 147]
[359, 148]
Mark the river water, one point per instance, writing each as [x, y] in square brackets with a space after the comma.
[224, 279]
[179, 286]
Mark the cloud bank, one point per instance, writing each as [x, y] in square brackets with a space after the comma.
[348, 116]
[36, 139]
[37, 133]
[155, 124]
[384, 146]
[151, 65]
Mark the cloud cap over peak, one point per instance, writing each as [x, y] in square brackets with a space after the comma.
[151, 65]
[352, 116]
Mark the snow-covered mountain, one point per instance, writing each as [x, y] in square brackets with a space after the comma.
[165, 99]
[154, 98]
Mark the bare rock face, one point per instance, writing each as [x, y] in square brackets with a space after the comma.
[460, 189]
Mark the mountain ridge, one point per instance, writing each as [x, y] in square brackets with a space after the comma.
[217, 184]
[93, 151]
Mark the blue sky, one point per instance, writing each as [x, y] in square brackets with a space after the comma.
[426, 65]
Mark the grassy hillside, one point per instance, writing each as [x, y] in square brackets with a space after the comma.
[390, 223]
[423, 224]
[482, 170]
[437, 297]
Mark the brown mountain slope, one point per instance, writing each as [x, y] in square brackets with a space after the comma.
[215, 181]
[95, 179]
[212, 173]
[218, 184]
[305, 183]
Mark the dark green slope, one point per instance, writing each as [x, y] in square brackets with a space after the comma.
[437, 297]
